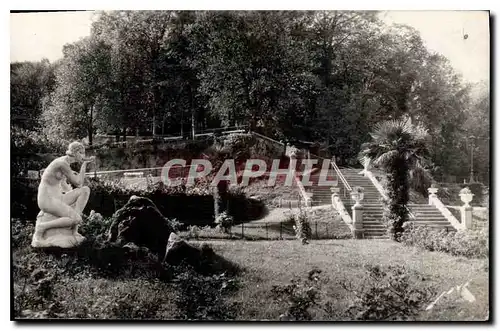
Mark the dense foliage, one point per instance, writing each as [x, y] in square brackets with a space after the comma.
[399, 148]
[471, 244]
[314, 75]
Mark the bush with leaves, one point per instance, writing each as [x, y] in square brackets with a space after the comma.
[224, 222]
[467, 243]
[301, 296]
[193, 231]
[95, 224]
[400, 149]
[302, 227]
[201, 297]
[392, 293]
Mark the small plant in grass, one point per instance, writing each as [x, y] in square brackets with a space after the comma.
[224, 222]
[176, 225]
[302, 227]
[301, 296]
[393, 293]
[95, 225]
[201, 297]
[194, 231]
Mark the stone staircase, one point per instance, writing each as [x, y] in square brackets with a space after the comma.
[322, 195]
[424, 214]
[427, 215]
[373, 208]
[430, 216]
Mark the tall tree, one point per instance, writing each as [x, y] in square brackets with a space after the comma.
[400, 149]
[30, 83]
[81, 79]
[252, 68]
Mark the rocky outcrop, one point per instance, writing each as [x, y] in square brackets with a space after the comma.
[203, 259]
[140, 222]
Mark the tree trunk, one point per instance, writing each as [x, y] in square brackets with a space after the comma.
[90, 128]
[154, 125]
[193, 121]
[182, 123]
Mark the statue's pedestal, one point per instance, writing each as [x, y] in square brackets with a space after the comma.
[55, 237]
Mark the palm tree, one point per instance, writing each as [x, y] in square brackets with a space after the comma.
[399, 148]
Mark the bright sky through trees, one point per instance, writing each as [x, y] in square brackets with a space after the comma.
[42, 35]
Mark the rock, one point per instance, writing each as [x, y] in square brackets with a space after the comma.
[203, 259]
[179, 250]
[140, 222]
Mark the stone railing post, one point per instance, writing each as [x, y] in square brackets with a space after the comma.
[432, 194]
[357, 214]
[335, 194]
[466, 216]
[357, 218]
[466, 210]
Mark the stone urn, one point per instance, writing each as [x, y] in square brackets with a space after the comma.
[466, 196]
[358, 194]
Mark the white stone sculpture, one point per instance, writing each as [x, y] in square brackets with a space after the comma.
[60, 205]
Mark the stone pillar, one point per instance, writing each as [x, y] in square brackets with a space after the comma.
[357, 218]
[335, 193]
[357, 212]
[432, 194]
[466, 210]
[466, 216]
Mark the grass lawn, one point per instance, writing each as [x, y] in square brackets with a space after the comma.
[325, 223]
[265, 264]
[277, 262]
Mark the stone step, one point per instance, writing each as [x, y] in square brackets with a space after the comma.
[424, 207]
[369, 235]
[426, 211]
[438, 224]
[430, 220]
[427, 214]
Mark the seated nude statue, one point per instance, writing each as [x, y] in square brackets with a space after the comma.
[60, 205]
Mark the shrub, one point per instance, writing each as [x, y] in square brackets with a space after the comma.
[22, 233]
[193, 231]
[28, 148]
[300, 295]
[302, 227]
[95, 224]
[201, 297]
[467, 243]
[391, 294]
[36, 298]
[224, 222]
